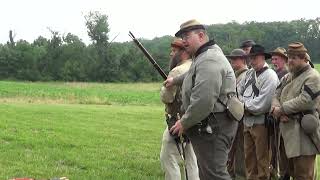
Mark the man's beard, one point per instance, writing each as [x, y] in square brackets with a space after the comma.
[175, 61]
[292, 68]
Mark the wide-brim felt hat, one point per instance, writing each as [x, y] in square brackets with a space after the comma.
[237, 53]
[247, 43]
[258, 50]
[189, 26]
[279, 51]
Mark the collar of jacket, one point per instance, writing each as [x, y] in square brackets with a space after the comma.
[281, 72]
[204, 47]
[184, 61]
[302, 70]
[265, 67]
[238, 72]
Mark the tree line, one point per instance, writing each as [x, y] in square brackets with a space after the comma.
[67, 58]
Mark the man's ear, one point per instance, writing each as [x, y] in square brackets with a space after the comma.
[201, 35]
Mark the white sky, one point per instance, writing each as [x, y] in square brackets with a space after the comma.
[145, 18]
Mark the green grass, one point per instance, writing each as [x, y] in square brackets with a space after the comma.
[81, 130]
[80, 141]
[81, 93]
[317, 66]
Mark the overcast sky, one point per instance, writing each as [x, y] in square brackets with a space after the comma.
[145, 18]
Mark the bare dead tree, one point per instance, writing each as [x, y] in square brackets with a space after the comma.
[11, 38]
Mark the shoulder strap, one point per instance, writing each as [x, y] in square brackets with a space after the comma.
[240, 72]
[243, 70]
[284, 81]
[255, 90]
[262, 70]
[255, 75]
[252, 80]
[193, 78]
[219, 100]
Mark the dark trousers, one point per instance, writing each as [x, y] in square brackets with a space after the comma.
[283, 161]
[212, 149]
[236, 165]
[302, 167]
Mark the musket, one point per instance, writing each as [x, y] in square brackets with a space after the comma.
[149, 57]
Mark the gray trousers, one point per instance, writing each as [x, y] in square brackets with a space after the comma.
[212, 149]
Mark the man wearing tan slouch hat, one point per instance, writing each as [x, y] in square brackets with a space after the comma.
[206, 88]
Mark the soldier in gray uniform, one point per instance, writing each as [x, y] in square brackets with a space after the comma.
[236, 165]
[206, 89]
[296, 106]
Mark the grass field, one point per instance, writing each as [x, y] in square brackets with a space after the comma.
[80, 130]
[85, 131]
[81, 93]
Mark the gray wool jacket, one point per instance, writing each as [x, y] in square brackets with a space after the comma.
[210, 77]
[293, 98]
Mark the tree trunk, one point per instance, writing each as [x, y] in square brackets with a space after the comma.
[11, 38]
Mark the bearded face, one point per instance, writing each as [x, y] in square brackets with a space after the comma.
[295, 63]
[175, 60]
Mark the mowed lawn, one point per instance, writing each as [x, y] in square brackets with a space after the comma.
[42, 136]
[88, 131]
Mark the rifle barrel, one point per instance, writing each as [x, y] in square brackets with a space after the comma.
[148, 55]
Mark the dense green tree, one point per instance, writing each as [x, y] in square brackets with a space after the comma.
[9, 63]
[68, 58]
[98, 28]
[106, 65]
[27, 59]
[75, 59]
[49, 65]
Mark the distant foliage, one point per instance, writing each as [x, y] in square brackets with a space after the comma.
[269, 34]
[67, 58]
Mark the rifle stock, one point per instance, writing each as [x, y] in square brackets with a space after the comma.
[149, 57]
